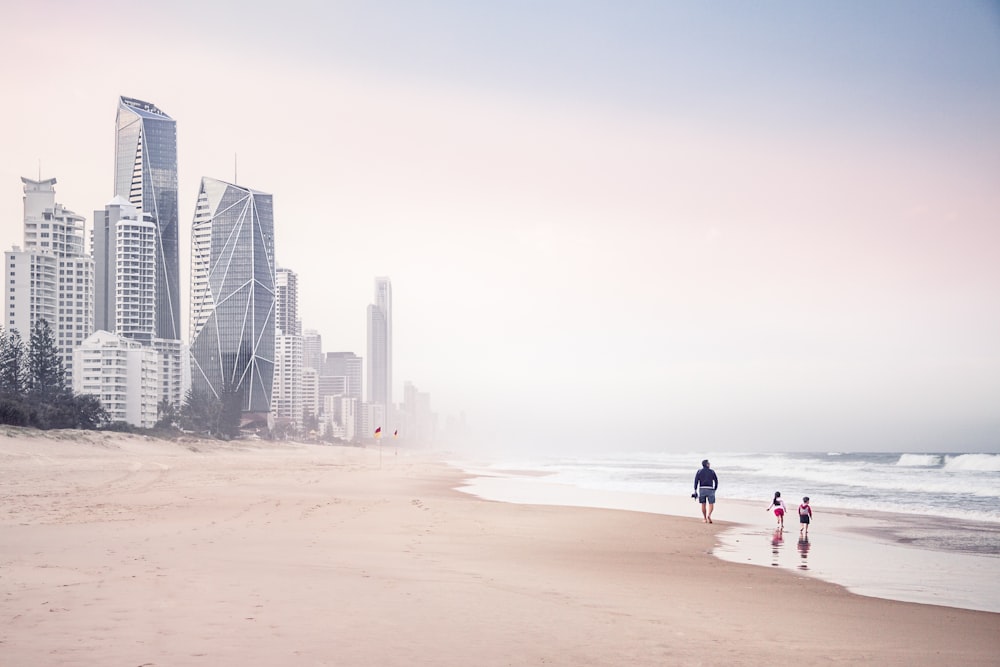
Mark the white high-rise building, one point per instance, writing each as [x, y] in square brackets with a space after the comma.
[341, 417]
[125, 270]
[310, 393]
[175, 370]
[370, 417]
[341, 376]
[312, 349]
[286, 396]
[380, 346]
[51, 278]
[122, 373]
[286, 301]
[125, 256]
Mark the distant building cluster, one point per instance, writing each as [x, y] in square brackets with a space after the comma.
[114, 306]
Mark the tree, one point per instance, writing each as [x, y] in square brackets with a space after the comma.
[167, 415]
[200, 412]
[13, 365]
[46, 376]
[230, 415]
[90, 414]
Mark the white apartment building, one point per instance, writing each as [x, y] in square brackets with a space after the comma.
[286, 395]
[124, 248]
[372, 416]
[122, 373]
[341, 416]
[310, 392]
[51, 278]
[135, 280]
[312, 349]
[175, 370]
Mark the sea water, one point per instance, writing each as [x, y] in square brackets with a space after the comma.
[915, 527]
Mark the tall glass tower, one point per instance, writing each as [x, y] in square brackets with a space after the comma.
[146, 176]
[380, 345]
[233, 295]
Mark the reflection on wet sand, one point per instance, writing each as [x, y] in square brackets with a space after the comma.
[803, 552]
[777, 540]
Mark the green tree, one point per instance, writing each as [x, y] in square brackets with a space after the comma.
[167, 415]
[46, 376]
[200, 412]
[89, 413]
[230, 415]
[13, 365]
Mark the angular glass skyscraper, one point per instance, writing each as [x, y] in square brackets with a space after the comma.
[233, 296]
[146, 176]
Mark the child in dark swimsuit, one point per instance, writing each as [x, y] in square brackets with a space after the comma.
[805, 517]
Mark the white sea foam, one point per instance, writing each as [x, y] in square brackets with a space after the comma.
[919, 460]
[973, 462]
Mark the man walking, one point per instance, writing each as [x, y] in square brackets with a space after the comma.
[706, 482]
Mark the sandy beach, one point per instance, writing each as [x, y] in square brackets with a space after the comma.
[121, 550]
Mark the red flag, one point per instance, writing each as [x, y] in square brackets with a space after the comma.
[378, 432]
[395, 433]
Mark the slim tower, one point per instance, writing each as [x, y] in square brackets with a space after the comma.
[286, 395]
[380, 345]
[146, 176]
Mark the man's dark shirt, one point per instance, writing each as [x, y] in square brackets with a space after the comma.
[706, 477]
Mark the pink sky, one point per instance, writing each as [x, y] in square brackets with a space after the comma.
[735, 236]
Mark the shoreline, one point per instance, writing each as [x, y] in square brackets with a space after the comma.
[121, 550]
[859, 550]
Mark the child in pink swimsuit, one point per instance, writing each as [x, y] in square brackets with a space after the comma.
[779, 509]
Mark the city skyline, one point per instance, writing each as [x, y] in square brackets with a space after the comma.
[670, 226]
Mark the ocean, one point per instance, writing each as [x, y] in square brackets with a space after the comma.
[907, 526]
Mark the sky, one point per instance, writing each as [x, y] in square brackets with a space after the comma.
[678, 226]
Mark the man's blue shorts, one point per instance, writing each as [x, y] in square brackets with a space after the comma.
[706, 495]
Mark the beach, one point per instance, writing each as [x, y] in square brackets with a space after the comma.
[123, 550]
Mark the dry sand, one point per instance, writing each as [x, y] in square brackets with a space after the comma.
[118, 550]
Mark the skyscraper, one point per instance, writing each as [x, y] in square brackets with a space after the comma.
[125, 271]
[146, 176]
[312, 350]
[286, 396]
[380, 345]
[232, 295]
[52, 278]
[340, 378]
[287, 301]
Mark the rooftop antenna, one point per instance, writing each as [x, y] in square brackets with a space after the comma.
[39, 170]
[235, 179]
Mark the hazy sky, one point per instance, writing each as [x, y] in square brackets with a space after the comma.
[695, 226]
